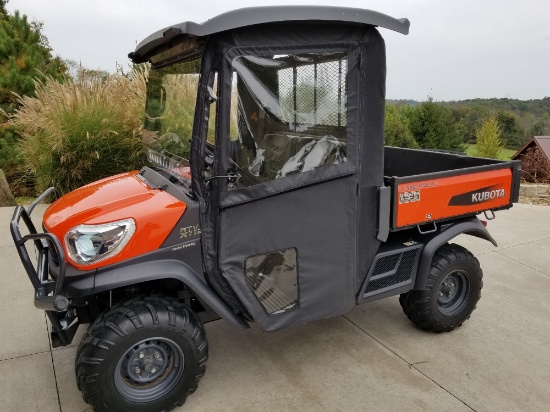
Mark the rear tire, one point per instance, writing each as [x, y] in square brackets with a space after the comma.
[452, 291]
[146, 354]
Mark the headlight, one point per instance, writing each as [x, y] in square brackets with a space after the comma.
[88, 244]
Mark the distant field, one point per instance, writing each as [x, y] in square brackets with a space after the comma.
[505, 154]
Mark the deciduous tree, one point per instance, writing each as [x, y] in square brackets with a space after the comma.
[488, 139]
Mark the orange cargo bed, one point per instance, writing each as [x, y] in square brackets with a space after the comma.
[432, 186]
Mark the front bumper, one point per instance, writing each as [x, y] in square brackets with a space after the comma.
[48, 286]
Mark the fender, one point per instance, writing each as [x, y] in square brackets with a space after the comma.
[166, 269]
[471, 226]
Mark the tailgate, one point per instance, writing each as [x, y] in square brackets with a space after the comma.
[443, 195]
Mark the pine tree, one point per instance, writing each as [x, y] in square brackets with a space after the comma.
[435, 127]
[488, 139]
[25, 56]
[396, 129]
[3, 11]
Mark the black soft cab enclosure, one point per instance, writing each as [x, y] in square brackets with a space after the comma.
[296, 234]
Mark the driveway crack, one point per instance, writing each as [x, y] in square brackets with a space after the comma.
[522, 243]
[523, 263]
[411, 365]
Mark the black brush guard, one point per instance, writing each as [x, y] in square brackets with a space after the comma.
[48, 287]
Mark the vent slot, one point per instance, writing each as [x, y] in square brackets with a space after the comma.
[391, 270]
[400, 271]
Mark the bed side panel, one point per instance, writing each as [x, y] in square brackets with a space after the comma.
[427, 200]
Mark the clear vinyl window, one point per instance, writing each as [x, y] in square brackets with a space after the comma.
[273, 277]
[288, 115]
[170, 107]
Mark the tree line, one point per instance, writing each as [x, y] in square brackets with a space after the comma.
[451, 125]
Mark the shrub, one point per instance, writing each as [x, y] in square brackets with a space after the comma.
[82, 130]
[12, 162]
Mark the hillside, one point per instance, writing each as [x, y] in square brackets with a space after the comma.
[519, 119]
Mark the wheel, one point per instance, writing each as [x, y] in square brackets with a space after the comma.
[452, 291]
[146, 354]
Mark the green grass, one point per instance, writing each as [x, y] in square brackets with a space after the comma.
[504, 154]
[24, 200]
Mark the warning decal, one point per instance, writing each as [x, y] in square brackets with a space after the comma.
[408, 197]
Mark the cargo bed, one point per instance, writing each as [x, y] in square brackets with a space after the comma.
[428, 186]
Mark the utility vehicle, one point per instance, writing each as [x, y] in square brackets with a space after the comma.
[290, 210]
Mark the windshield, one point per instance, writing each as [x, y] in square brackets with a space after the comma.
[170, 108]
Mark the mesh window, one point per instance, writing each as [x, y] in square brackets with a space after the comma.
[273, 277]
[314, 94]
[288, 115]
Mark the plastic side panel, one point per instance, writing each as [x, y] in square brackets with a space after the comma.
[166, 269]
[424, 201]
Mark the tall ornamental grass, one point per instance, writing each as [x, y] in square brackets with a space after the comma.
[82, 130]
[176, 116]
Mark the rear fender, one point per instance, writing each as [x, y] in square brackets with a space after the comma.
[471, 226]
[166, 269]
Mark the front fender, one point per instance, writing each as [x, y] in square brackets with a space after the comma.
[166, 269]
[471, 226]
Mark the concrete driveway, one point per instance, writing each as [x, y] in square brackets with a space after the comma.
[371, 359]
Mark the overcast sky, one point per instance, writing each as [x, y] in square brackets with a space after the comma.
[456, 49]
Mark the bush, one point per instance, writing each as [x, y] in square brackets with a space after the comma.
[82, 130]
[12, 162]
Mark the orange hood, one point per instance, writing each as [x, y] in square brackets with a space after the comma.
[123, 196]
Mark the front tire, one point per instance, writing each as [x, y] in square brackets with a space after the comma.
[146, 354]
[452, 291]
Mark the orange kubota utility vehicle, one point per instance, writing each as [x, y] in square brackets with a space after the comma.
[290, 210]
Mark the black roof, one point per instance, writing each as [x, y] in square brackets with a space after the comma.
[259, 15]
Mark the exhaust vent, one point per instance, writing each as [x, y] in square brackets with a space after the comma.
[391, 270]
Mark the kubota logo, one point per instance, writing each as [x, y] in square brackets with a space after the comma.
[488, 195]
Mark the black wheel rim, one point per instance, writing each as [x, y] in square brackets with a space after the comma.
[149, 370]
[453, 293]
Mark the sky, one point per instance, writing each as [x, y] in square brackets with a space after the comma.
[455, 50]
